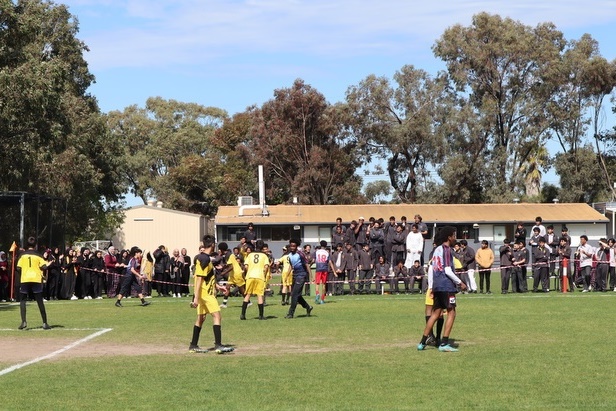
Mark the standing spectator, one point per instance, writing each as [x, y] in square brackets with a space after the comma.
[338, 236]
[506, 258]
[520, 233]
[377, 241]
[186, 272]
[53, 273]
[518, 272]
[534, 243]
[114, 268]
[4, 278]
[310, 258]
[162, 270]
[398, 245]
[584, 254]
[389, 230]
[69, 275]
[414, 246]
[469, 265]
[349, 235]
[338, 226]
[301, 273]
[365, 266]
[423, 230]
[603, 260]
[339, 273]
[32, 266]
[564, 257]
[484, 258]
[98, 271]
[361, 234]
[540, 226]
[540, 260]
[350, 266]
[552, 243]
[444, 289]
[84, 261]
[177, 262]
[565, 234]
[612, 269]
[250, 235]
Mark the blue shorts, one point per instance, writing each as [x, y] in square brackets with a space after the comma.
[34, 288]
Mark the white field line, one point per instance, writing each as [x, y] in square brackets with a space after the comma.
[53, 354]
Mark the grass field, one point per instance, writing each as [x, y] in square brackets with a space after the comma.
[531, 351]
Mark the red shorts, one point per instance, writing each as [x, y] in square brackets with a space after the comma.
[321, 277]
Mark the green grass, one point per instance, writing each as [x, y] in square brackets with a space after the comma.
[531, 351]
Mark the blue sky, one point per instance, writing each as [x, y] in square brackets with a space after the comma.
[233, 54]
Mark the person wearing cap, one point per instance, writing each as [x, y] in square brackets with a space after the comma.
[484, 258]
[133, 277]
[506, 258]
[541, 256]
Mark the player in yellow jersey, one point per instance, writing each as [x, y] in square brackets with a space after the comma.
[257, 272]
[204, 299]
[32, 266]
[233, 270]
[287, 276]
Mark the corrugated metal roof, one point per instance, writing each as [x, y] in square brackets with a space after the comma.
[432, 213]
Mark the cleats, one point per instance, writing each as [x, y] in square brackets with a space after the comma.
[421, 347]
[431, 341]
[23, 325]
[447, 348]
[309, 310]
[46, 326]
[288, 316]
[223, 349]
[145, 303]
[223, 305]
[118, 303]
[196, 349]
[242, 317]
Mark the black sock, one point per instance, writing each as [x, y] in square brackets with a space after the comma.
[445, 341]
[224, 300]
[195, 337]
[284, 296]
[423, 339]
[244, 306]
[260, 310]
[41, 306]
[217, 334]
[142, 300]
[439, 327]
[22, 307]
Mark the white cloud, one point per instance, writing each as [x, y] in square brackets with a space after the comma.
[141, 33]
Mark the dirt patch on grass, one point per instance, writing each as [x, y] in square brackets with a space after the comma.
[16, 349]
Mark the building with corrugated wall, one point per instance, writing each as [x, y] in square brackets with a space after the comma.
[149, 226]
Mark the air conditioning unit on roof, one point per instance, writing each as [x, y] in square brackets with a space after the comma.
[244, 201]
